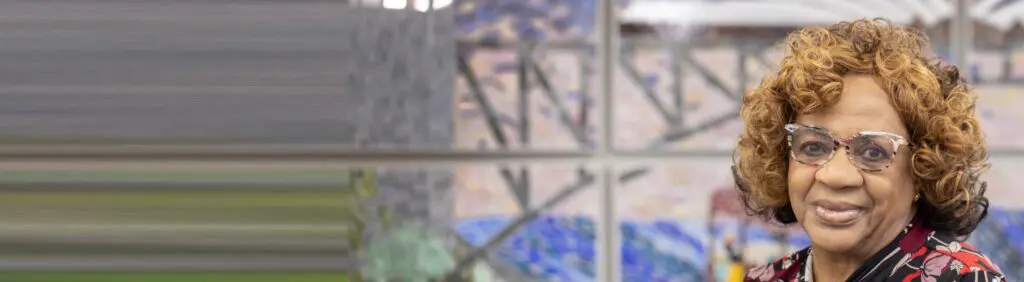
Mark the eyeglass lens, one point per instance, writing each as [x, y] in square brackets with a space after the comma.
[816, 147]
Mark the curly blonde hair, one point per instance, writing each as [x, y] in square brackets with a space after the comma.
[932, 99]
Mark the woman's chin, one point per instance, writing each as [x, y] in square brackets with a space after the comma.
[834, 244]
[836, 239]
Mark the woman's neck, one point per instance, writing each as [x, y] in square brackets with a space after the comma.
[833, 267]
[838, 266]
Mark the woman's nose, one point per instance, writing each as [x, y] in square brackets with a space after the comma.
[839, 172]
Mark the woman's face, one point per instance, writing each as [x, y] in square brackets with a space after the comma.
[843, 207]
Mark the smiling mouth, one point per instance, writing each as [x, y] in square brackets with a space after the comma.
[837, 217]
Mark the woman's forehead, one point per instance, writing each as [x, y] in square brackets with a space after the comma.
[848, 125]
[849, 132]
[862, 106]
[845, 130]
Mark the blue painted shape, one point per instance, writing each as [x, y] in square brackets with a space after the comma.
[675, 233]
[802, 241]
[489, 12]
[667, 247]
[574, 96]
[563, 247]
[650, 80]
[975, 73]
[486, 15]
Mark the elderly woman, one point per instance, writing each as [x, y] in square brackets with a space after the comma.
[875, 150]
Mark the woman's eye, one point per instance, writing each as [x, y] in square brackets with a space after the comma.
[813, 149]
[874, 154]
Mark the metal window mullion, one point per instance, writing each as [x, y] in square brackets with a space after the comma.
[607, 55]
[399, 158]
[961, 36]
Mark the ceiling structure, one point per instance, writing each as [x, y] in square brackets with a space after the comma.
[1001, 15]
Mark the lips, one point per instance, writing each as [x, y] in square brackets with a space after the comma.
[837, 213]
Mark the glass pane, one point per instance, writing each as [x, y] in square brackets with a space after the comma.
[531, 64]
[320, 222]
[681, 78]
[676, 220]
[557, 245]
[360, 74]
[999, 236]
[996, 73]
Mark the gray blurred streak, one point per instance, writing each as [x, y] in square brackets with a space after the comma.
[189, 71]
[178, 263]
[176, 71]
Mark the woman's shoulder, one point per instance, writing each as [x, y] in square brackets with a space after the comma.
[941, 258]
[785, 268]
[950, 254]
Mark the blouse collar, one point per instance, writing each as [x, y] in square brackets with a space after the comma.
[913, 236]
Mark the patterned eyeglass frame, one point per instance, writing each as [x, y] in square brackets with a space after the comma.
[896, 140]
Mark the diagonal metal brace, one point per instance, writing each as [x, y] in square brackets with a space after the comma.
[510, 229]
[490, 115]
[652, 98]
[505, 271]
[563, 113]
[676, 135]
[585, 179]
[518, 188]
[709, 77]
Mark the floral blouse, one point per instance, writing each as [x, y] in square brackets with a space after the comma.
[917, 254]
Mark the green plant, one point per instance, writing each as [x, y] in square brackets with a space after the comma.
[361, 186]
[402, 253]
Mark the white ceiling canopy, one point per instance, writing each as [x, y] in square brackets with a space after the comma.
[784, 13]
[779, 13]
[999, 14]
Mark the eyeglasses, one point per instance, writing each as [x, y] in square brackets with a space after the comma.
[871, 151]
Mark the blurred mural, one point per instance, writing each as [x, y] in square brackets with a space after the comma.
[677, 93]
[524, 78]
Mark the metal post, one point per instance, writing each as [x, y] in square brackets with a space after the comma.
[586, 100]
[1007, 53]
[523, 67]
[741, 69]
[678, 97]
[430, 21]
[711, 245]
[524, 59]
[608, 248]
[961, 36]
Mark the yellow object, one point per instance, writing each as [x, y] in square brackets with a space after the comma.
[735, 273]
